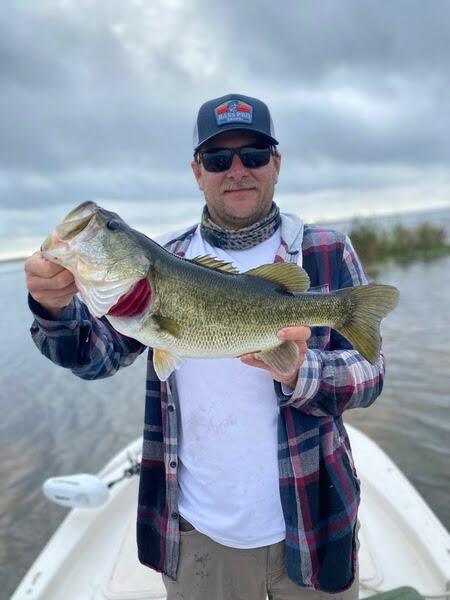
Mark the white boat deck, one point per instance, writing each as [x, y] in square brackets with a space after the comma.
[402, 541]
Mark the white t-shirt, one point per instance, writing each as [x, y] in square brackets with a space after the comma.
[228, 466]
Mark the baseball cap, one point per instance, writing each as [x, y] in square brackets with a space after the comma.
[231, 113]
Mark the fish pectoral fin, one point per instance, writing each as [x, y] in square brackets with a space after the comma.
[166, 324]
[215, 263]
[282, 359]
[288, 275]
[165, 363]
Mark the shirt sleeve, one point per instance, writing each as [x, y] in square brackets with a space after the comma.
[90, 347]
[332, 381]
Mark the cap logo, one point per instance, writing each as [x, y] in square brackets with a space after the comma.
[234, 111]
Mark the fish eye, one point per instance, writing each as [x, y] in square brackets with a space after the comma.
[113, 224]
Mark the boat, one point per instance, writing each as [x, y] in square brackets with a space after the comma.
[405, 549]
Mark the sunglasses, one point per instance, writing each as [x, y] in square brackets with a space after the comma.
[252, 157]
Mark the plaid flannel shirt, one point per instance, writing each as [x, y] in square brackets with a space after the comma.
[319, 486]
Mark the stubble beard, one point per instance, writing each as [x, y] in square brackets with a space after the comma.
[227, 219]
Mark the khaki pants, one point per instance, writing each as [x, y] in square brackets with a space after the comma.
[210, 571]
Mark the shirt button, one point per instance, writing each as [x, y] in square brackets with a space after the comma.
[173, 464]
[171, 408]
[174, 515]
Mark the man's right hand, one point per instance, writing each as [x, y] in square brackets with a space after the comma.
[49, 284]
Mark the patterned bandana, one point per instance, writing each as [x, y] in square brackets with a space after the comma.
[240, 239]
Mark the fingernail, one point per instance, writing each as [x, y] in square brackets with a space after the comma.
[282, 333]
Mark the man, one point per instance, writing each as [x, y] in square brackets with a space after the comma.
[248, 486]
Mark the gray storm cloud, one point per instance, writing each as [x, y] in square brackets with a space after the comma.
[99, 99]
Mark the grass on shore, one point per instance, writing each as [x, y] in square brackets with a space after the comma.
[403, 245]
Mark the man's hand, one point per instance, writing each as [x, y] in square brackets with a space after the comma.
[299, 335]
[49, 284]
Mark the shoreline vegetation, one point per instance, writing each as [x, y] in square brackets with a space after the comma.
[400, 244]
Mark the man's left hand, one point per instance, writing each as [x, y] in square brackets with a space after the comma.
[299, 335]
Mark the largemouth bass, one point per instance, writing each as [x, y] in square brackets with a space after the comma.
[204, 308]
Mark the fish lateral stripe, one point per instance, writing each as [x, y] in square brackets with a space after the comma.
[134, 302]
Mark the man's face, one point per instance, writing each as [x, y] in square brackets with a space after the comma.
[240, 196]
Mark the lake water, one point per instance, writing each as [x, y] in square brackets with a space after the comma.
[53, 423]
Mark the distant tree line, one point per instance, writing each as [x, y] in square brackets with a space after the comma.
[399, 243]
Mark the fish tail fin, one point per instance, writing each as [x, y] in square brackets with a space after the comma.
[368, 305]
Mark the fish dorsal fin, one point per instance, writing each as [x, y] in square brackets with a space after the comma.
[289, 275]
[215, 263]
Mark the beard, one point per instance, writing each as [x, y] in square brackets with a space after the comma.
[236, 213]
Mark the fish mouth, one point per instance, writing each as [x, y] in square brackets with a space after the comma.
[74, 223]
[84, 209]
[67, 231]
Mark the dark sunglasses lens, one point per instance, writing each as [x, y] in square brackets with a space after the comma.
[253, 158]
[217, 161]
[221, 160]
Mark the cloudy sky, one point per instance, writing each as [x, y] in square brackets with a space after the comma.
[98, 101]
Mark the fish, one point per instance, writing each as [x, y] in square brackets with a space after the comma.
[204, 307]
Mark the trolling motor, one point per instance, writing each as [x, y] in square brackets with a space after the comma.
[83, 490]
